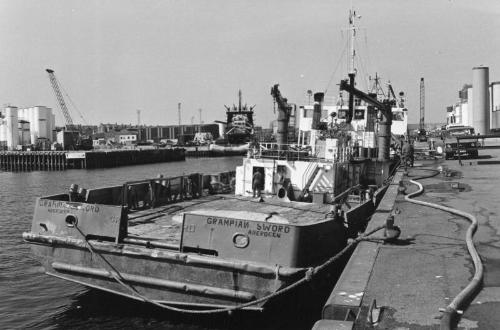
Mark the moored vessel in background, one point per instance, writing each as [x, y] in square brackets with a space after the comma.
[237, 132]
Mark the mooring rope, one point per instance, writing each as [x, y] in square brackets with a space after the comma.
[308, 275]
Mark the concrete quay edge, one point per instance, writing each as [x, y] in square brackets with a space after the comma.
[345, 299]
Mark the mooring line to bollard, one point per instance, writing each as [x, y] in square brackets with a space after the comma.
[452, 310]
[308, 276]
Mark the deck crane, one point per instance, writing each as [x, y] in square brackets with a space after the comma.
[79, 142]
[285, 111]
[384, 117]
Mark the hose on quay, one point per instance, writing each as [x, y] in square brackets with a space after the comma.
[309, 273]
[451, 311]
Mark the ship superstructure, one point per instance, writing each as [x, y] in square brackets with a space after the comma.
[239, 122]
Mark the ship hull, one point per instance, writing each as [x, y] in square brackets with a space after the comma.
[167, 277]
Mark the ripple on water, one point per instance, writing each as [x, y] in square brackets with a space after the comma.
[31, 299]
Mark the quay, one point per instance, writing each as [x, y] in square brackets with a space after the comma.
[408, 284]
[62, 160]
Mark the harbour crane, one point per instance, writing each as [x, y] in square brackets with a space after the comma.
[78, 142]
[60, 99]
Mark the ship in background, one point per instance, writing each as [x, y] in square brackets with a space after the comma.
[237, 131]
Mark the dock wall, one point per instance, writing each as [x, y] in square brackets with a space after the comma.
[60, 160]
[344, 303]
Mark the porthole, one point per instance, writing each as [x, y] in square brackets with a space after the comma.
[241, 240]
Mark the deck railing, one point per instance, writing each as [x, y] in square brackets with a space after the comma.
[298, 152]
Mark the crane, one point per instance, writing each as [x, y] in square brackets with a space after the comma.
[284, 113]
[384, 116]
[77, 141]
[60, 99]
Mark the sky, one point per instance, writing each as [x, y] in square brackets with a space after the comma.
[114, 57]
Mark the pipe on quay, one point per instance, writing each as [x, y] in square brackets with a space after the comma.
[451, 311]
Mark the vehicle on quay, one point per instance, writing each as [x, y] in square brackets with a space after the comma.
[460, 141]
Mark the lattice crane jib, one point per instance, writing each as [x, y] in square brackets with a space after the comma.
[60, 99]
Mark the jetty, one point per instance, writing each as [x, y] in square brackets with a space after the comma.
[62, 160]
[408, 283]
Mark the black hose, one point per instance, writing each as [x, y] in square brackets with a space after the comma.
[450, 313]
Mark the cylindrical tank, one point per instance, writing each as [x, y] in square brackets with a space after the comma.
[12, 127]
[467, 113]
[24, 132]
[36, 122]
[495, 105]
[42, 121]
[480, 105]
[53, 127]
[31, 119]
[3, 136]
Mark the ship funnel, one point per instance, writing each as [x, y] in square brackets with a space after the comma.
[318, 106]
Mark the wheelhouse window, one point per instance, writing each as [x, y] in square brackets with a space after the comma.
[342, 114]
[359, 114]
[397, 116]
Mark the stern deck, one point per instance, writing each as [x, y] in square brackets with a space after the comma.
[164, 222]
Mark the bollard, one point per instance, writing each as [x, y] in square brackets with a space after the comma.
[391, 232]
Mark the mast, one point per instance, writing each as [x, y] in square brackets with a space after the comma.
[239, 100]
[422, 105]
[352, 69]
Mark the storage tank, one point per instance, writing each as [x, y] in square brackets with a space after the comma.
[24, 132]
[495, 105]
[36, 122]
[51, 125]
[481, 106]
[42, 121]
[469, 118]
[3, 136]
[31, 118]
[53, 129]
[12, 128]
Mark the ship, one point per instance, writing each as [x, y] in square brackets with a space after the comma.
[237, 132]
[189, 242]
[241, 240]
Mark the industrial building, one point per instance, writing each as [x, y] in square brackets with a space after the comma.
[118, 133]
[478, 105]
[24, 126]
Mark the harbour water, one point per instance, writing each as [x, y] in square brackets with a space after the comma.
[32, 300]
